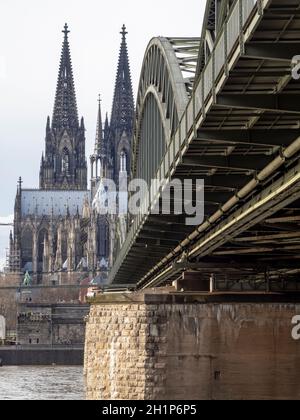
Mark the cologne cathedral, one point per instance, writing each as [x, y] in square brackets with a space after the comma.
[56, 227]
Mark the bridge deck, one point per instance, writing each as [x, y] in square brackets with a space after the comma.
[240, 134]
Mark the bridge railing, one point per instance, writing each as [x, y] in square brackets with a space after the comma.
[232, 35]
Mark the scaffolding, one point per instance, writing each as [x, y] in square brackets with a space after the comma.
[13, 261]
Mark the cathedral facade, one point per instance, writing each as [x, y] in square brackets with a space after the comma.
[111, 159]
[56, 227]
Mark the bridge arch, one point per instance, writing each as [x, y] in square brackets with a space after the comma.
[165, 84]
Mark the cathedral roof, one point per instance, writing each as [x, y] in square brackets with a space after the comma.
[46, 202]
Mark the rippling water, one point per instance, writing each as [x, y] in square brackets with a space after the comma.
[41, 383]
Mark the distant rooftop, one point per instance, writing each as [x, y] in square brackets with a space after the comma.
[44, 202]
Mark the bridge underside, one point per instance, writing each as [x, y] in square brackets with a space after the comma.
[247, 134]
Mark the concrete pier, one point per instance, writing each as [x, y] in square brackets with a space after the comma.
[168, 345]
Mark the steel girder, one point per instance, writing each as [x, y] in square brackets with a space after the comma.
[215, 14]
[240, 119]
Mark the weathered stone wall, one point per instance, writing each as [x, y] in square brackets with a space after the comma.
[51, 296]
[34, 326]
[51, 324]
[10, 298]
[160, 350]
[118, 349]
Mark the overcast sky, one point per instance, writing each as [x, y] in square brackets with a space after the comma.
[30, 46]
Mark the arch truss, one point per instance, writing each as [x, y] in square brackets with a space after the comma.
[166, 84]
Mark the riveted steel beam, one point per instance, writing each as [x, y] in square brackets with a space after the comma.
[227, 162]
[281, 51]
[281, 137]
[281, 102]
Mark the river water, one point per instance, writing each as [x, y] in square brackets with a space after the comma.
[41, 383]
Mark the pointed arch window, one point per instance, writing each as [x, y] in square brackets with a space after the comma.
[66, 162]
[99, 174]
[123, 162]
[103, 239]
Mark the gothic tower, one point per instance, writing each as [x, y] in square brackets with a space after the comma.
[98, 159]
[111, 159]
[121, 124]
[99, 171]
[64, 165]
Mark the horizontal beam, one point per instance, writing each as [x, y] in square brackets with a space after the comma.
[147, 253]
[273, 138]
[228, 162]
[279, 51]
[232, 180]
[266, 238]
[210, 267]
[281, 102]
[162, 236]
[260, 264]
[258, 250]
[272, 72]
[131, 262]
[288, 219]
[167, 219]
[210, 196]
[283, 11]
[162, 243]
[246, 251]
[166, 228]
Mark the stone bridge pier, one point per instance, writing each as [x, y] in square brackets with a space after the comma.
[161, 345]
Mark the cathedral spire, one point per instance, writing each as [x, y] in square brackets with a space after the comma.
[106, 124]
[64, 165]
[99, 143]
[123, 105]
[106, 134]
[65, 108]
[48, 127]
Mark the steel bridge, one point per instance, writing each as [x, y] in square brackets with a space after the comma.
[223, 108]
